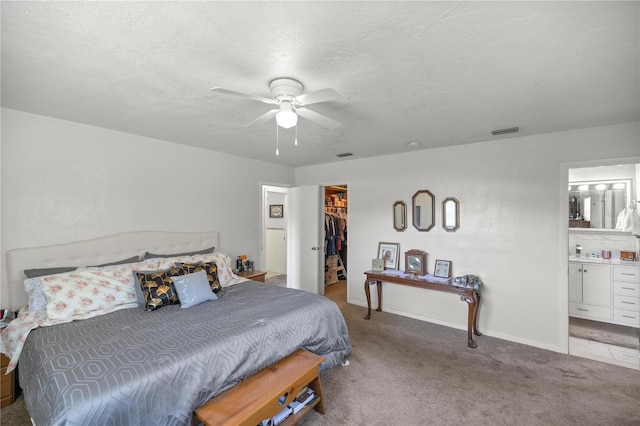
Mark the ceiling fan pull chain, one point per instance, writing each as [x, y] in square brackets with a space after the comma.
[296, 141]
[277, 140]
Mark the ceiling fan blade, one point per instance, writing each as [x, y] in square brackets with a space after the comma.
[318, 118]
[264, 117]
[319, 96]
[244, 95]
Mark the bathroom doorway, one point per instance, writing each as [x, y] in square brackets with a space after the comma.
[601, 327]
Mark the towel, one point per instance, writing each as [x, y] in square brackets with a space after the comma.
[629, 220]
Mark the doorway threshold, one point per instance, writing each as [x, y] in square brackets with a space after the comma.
[603, 352]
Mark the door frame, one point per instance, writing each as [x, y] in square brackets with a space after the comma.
[286, 188]
[563, 231]
[265, 187]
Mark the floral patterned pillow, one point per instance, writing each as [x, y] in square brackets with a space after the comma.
[76, 293]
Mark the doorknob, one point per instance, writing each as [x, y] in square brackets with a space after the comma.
[315, 248]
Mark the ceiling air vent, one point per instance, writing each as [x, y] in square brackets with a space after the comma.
[505, 131]
[344, 154]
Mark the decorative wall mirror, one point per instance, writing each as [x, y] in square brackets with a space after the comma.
[450, 214]
[424, 210]
[399, 216]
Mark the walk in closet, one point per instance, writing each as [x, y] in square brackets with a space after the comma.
[335, 232]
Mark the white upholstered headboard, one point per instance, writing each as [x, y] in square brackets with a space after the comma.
[97, 251]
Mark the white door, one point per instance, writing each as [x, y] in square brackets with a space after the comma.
[306, 250]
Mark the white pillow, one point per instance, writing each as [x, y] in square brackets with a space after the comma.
[223, 264]
[35, 287]
[86, 290]
[193, 289]
[37, 298]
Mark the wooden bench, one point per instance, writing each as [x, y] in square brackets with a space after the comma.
[257, 397]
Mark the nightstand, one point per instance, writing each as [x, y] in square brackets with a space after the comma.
[6, 383]
[254, 275]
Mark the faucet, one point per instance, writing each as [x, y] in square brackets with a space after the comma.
[578, 250]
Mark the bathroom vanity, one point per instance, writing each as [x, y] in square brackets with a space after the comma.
[605, 291]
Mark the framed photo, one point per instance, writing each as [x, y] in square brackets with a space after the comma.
[377, 265]
[276, 210]
[442, 269]
[390, 253]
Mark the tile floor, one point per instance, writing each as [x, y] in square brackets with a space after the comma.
[603, 352]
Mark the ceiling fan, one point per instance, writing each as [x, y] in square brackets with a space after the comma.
[291, 102]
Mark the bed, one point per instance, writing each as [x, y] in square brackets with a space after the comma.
[126, 364]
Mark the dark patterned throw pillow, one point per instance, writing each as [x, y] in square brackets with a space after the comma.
[158, 289]
[209, 267]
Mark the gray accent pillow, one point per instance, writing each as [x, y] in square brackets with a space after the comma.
[35, 273]
[148, 255]
[133, 259]
[136, 283]
[41, 272]
[193, 289]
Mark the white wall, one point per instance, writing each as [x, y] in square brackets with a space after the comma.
[64, 181]
[513, 231]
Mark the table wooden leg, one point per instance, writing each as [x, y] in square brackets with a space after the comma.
[379, 296]
[471, 301]
[367, 292]
[475, 314]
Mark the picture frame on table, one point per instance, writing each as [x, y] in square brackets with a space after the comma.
[442, 269]
[390, 253]
[377, 265]
[276, 210]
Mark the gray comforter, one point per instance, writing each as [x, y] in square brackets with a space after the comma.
[134, 367]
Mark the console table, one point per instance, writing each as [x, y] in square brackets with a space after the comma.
[470, 295]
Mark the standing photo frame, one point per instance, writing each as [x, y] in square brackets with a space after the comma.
[442, 269]
[377, 265]
[390, 253]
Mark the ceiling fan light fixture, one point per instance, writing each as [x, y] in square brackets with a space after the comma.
[286, 119]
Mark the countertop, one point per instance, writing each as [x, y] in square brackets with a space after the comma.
[616, 262]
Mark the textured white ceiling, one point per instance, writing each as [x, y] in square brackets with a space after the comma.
[441, 73]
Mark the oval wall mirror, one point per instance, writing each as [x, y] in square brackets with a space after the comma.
[450, 214]
[399, 216]
[424, 210]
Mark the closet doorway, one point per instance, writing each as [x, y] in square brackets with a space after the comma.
[335, 242]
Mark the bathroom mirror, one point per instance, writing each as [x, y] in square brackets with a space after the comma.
[450, 214]
[597, 204]
[399, 216]
[423, 206]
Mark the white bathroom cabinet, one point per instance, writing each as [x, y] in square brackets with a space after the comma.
[590, 294]
[626, 296]
[608, 293]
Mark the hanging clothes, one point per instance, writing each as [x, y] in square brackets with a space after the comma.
[335, 220]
